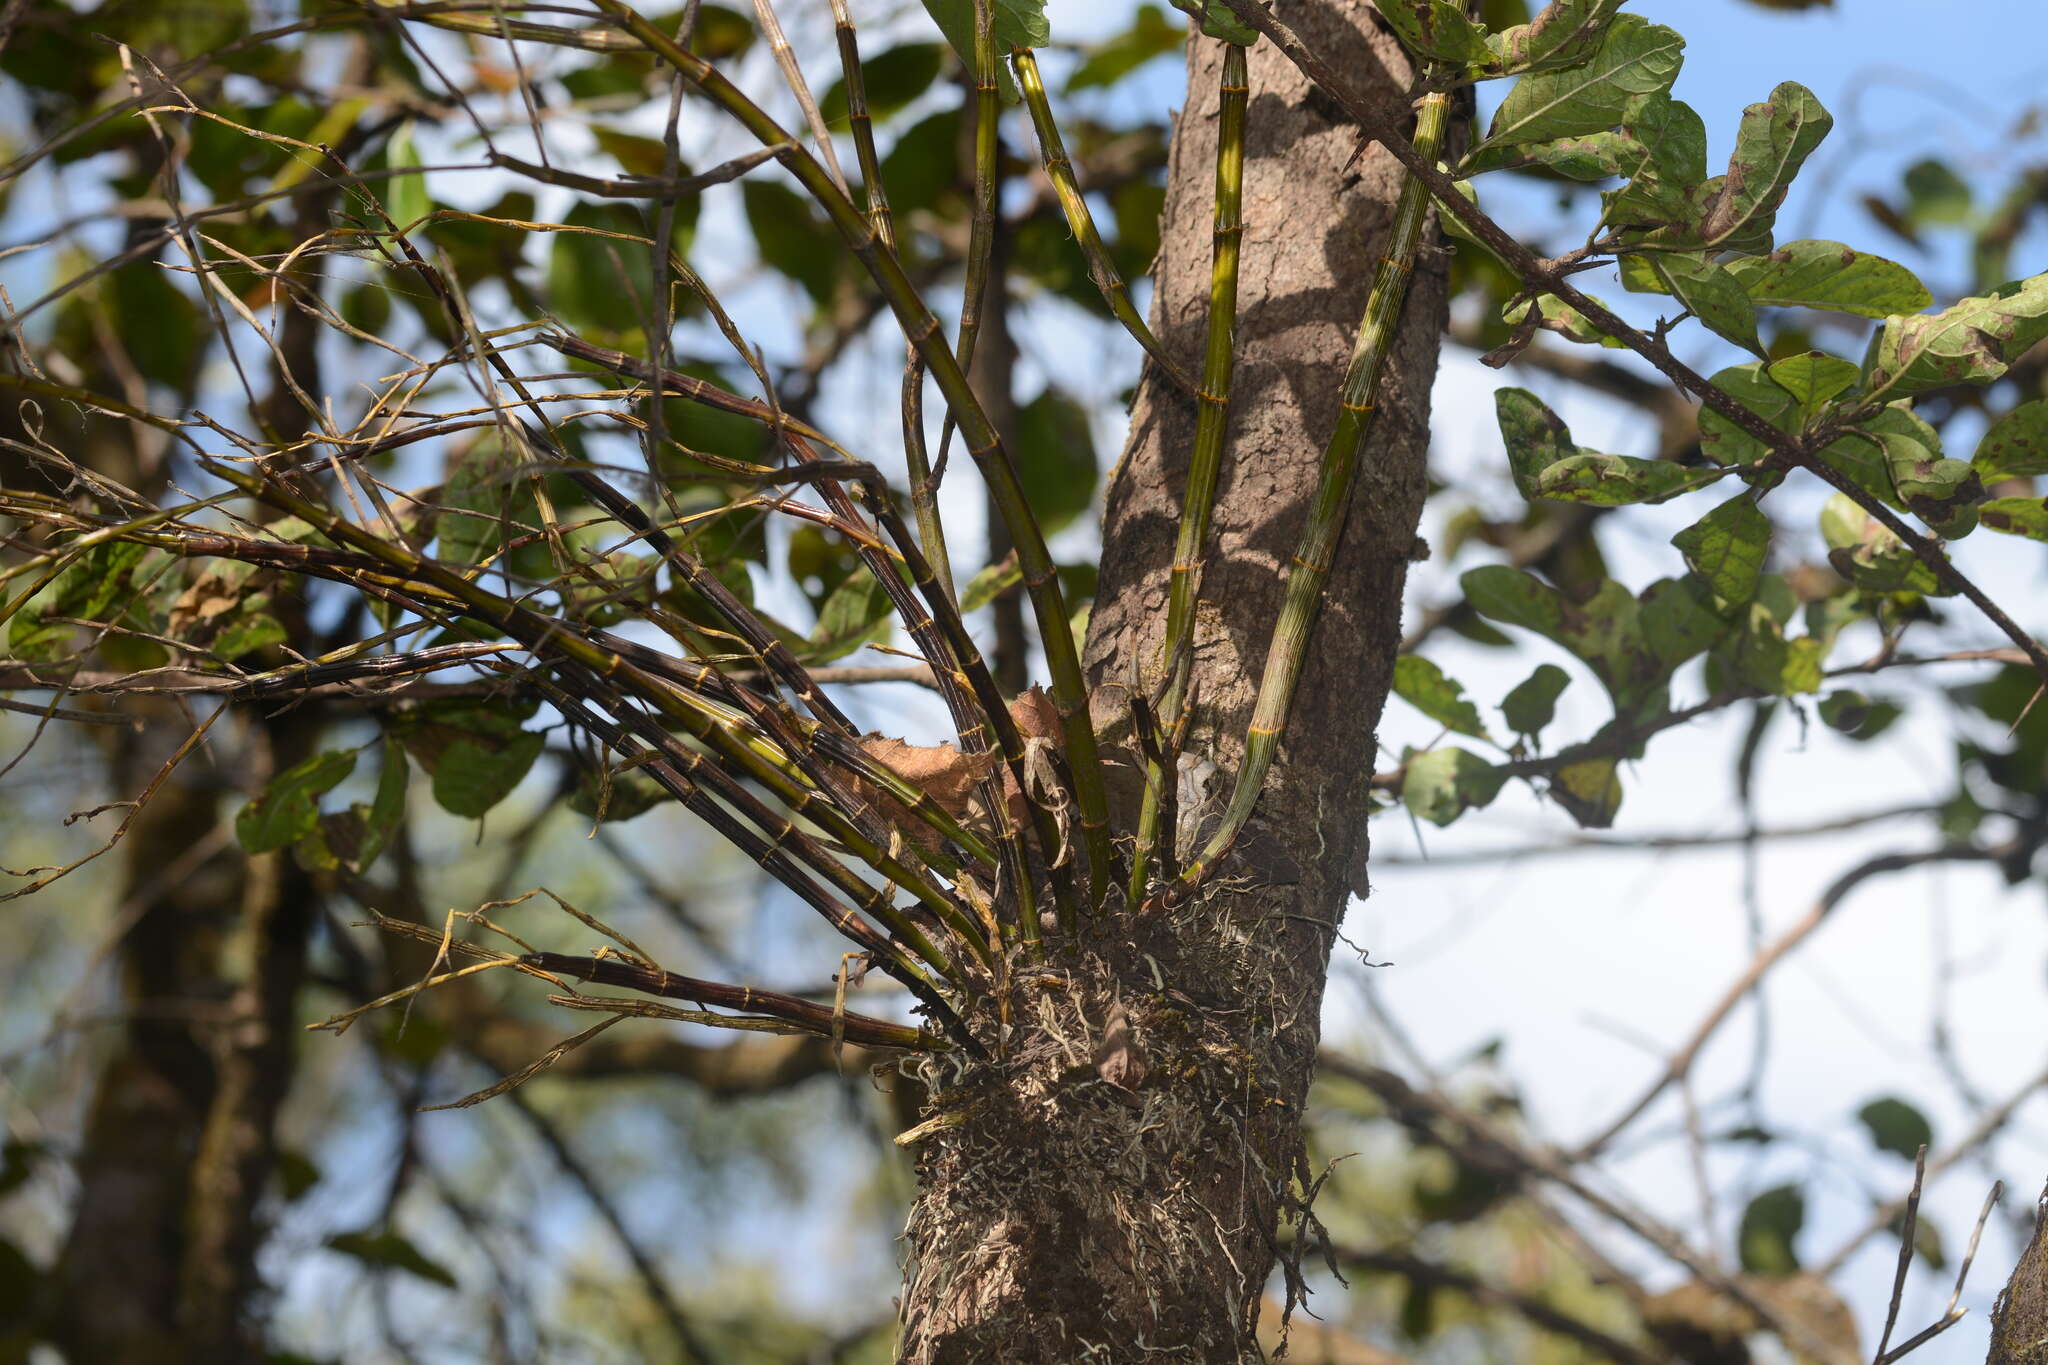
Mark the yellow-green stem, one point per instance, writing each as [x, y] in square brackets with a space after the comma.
[1060, 170]
[1212, 417]
[1312, 559]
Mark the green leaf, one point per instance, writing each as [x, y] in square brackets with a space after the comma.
[1670, 163]
[296, 1174]
[1590, 792]
[1436, 29]
[247, 633]
[1055, 456]
[991, 583]
[635, 154]
[405, 194]
[476, 754]
[1828, 275]
[619, 795]
[386, 811]
[1441, 785]
[1617, 480]
[1591, 156]
[1815, 378]
[1726, 548]
[1421, 684]
[485, 495]
[1678, 622]
[1566, 33]
[2016, 446]
[1944, 493]
[1770, 1226]
[1605, 630]
[596, 277]
[793, 237]
[89, 586]
[1219, 21]
[1149, 36]
[2016, 517]
[1714, 296]
[1866, 552]
[1856, 716]
[289, 807]
[1017, 23]
[1857, 457]
[856, 614]
[475, 774]
[1636, 58]
[1846, 710]
[1546, 464]
[1936, 195]
[1972, 342]
[1771, 144]
[390, 1251]
[890, 80]
[1532, 704]
[1515, 598]
[1896, 1126]
[1555, 315]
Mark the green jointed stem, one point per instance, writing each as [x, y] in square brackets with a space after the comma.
[1312, 558]
[1212, 417]
[1041, 582]
[981, 223]
[1060, 170]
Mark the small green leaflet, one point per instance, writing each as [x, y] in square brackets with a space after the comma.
[1565, 34]
[1636, 58]
[1436, 29]
[405, 197]
[485, 496]
[87, 589]
[391, 1251]
[1555, 315]
[1671, 163]
[1864, 551]
[1772, 143]
[856, 614]
[1441, 785]
[1713, 294]
[1017, 23]
[1533, 703]
[289, 807]
[2016, 517]
[1727, 546]
[1546, 464]
[1590, 791]
[1770, 1226]
[1814, 378]
[1218, 21]
[1972, 342]
[986, 586]
[476, 754]
[2017, 444]
[1828, 275]
[1896, 1126]
[1421, 684]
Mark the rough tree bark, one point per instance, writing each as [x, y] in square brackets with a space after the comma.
[1062, 1218]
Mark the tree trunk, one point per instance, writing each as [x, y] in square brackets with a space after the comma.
[1063, 1217]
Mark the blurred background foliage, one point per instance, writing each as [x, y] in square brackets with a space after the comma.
[661, 1195]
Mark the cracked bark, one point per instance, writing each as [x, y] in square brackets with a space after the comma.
[1060, 1217]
